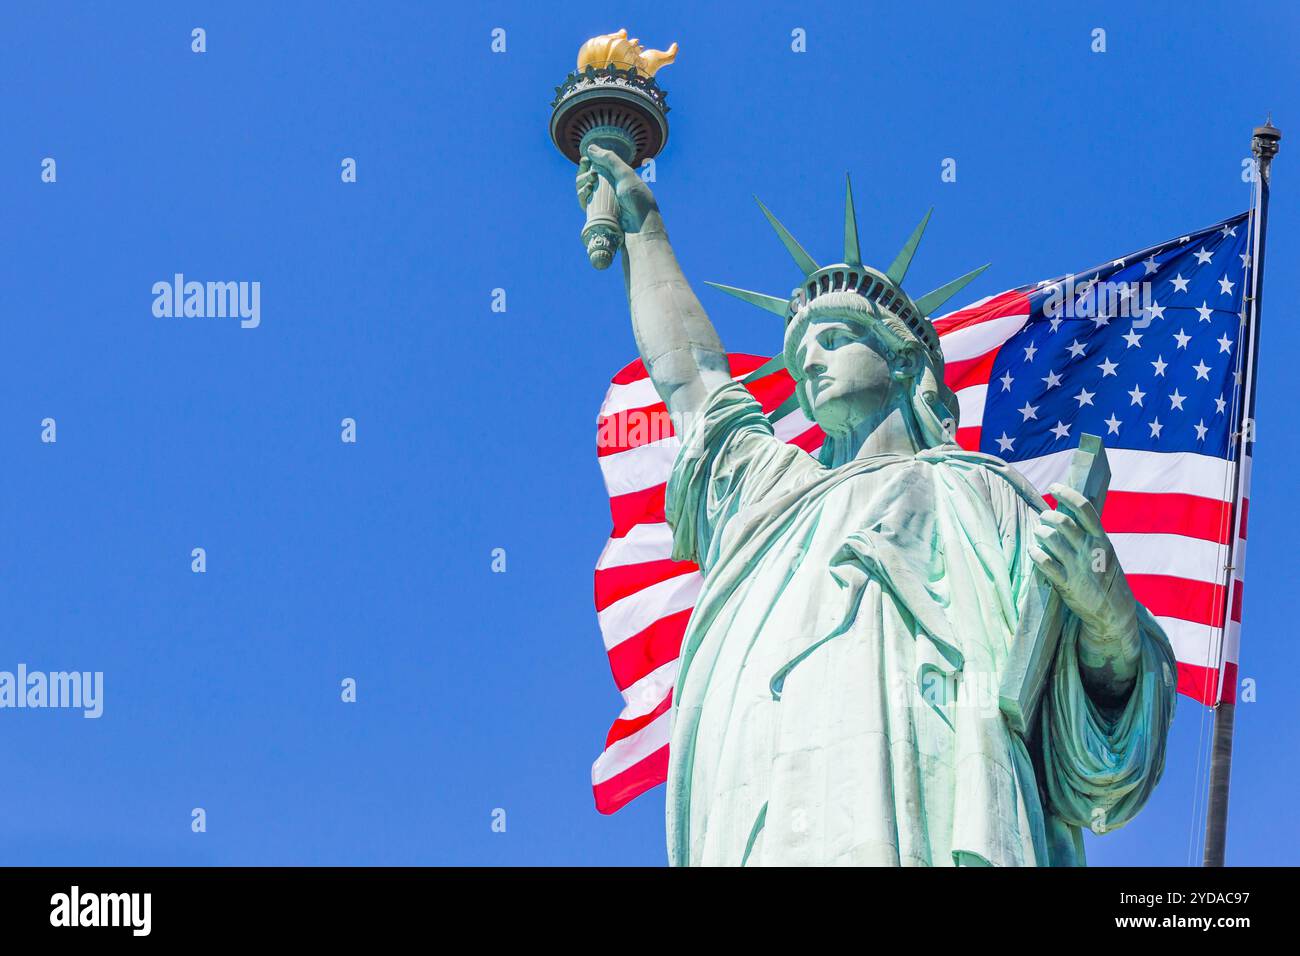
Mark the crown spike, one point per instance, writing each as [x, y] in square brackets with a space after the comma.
[852, 255]
[801, 257]
[932, 300]
[769, 303]
[898, 269]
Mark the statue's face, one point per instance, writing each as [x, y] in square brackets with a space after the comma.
[848, 372]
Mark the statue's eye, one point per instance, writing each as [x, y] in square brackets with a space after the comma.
[834, 338]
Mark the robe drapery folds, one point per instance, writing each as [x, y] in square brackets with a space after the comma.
[837, 698]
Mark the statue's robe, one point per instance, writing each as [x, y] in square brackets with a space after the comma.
[837, 699]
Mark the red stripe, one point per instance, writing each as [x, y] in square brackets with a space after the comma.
[1200, 683]
[1230, 681]
[1014, 302]
[969, 438]
[1236, 600]
[648, 650]
[741, 363]
[614, 584]
[771, 390]
[623, 729]
[1167, 596]
[629, 373]
[637, 507]
[968, 372]
[810, 440]
[622, 788]
[1138, 512]
[1245, 513]
[632, 428]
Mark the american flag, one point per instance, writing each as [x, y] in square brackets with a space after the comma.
[1144, 350]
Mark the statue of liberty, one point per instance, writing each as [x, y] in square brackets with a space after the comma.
[833, 704]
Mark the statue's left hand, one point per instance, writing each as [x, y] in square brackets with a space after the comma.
[1076, 556]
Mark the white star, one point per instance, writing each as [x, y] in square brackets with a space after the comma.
[1155, 428]
[1200, 430]
[1160, 365]
[1149, 265]
[1176, 400]
[1245, 260]
[1202, 370]
[1156, 310]
[1133, 338]
[1219, 404]
[1061, 430]
[1203, 257]
[1118, 262]
[1029, 411]
[1108, 367]
[1180, 284]
[1084, 397]
[1052, 379]
[1183, 338]
[1205, 311]
[1005, 443]
[1225, 343]
[1030, 349]
[1112, 424]
[1229, 231]
[1225, 286]
[1006, 381]
[1136, 395]
[1056, 323]
[1075, 349]
[1101, 320]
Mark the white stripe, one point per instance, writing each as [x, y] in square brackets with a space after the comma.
[622, 398]
[1172, 554]
[631, 615]
[792, 426]
[625, 753]
[1193, 643]
[971, 402]
[649, 692]
[641, 467]
[1177, 472]
[975, 340]
[644, 542]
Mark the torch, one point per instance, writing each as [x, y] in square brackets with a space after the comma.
[611, 101]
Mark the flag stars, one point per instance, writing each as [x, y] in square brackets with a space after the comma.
[1202, 257]
[1225, 285]
[1133, 339]
[1052, 379]
[1006, 381]
[1056, 323]
[1200, 430]
[1225, 343]
[1220, 405]
[1245, 260]
[1155, 310]
[1205, 311]
[1061, 430]
[1030, 350]
[1112, 424]
[1182, 338]
[1180, 284]
[1136, 395]
[1229, 231]
[1075, 349]
[1149, 265]
[1156, 428]
[1160, 365]
[1108, 367]
[1005, 443]
[1028, 412]
[1176, 400]
[1084, 397]
[1202, 370]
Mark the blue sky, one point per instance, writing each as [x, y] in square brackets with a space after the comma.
[476, 429]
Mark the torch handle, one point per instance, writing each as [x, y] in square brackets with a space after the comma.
[602, 235]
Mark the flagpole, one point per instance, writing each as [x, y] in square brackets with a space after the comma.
[1264, 145]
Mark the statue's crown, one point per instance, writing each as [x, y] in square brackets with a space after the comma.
[883, 289]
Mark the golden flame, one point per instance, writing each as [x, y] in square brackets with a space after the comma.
[616, 48]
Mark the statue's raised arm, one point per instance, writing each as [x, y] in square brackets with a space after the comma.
[678, 344]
